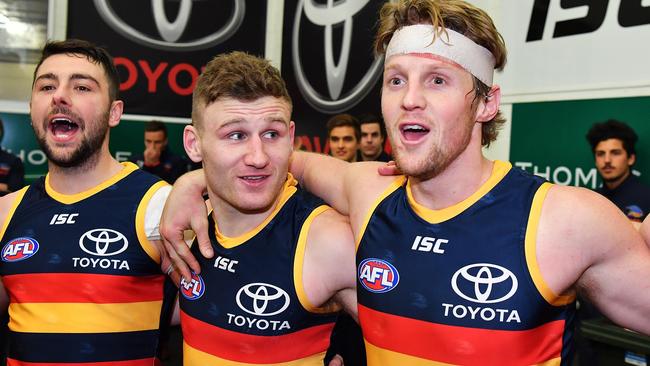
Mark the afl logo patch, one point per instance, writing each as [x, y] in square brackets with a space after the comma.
[377, 275]
[193, 289]
[19, 249]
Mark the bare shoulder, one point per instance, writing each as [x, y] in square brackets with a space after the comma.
[578, 228]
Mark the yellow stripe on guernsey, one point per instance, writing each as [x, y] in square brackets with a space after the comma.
[10, 214]
[379, 357]
[192, 356]
[73, 198]
[148, 246]
[287, 191]
[298, 264]
[391, 188]
[531, 250]
[84, 318]
[499, 170]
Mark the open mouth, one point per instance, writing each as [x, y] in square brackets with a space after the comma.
[413, 131]
[62, 127]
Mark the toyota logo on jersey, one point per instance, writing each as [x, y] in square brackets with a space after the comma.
[19, 249]
[194, 288]
[377, 275]
[484, 283]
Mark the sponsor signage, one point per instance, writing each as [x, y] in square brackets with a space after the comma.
[572, 46]
[329, 64]
[160, 47]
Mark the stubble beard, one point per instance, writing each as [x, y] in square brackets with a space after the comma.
[86, 155]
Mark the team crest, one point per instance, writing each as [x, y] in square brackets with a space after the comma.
[19, 249]
[378, 275]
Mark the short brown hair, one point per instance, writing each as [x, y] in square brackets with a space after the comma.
[237, 75]
[344, 120]
[94, 54]
[456, 15]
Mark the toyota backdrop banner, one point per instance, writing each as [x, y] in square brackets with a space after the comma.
[329, 64]
[161, 46]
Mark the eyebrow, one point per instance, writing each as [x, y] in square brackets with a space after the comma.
[76, 76]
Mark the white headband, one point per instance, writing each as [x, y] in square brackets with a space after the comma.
[420, 38]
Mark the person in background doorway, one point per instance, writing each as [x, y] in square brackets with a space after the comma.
[343, 134]
[373, 137]
[613, 145]
[12, 172]
[157, 158]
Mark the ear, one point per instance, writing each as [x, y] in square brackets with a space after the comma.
[489, 106]
[292, 132]
[631, 160]
[192, 143]
[115, 113]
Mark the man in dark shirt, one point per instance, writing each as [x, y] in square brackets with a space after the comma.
[157, 159]
[373, 138]
[12, 172]
[612, 143]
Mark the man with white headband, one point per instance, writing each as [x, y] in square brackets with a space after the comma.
[463, 256]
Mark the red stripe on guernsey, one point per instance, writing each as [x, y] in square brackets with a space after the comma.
[78, 287]
[250, 348]
[142, 362]
[460, 345]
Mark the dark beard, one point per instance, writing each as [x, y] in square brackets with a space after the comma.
[86, 153]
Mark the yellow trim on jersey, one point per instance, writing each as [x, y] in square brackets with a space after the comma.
[84, 317]
[299, 261]
[398, 182]
[531, 250]
[14, 205]
[287, 191]
[74, 198]
[140, 214]
[194, 357]
[379, 357]
[499, 170]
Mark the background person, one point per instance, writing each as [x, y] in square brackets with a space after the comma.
[373, 138]
[157, 158]
[343, 134]
[12, 172]
[613, 145]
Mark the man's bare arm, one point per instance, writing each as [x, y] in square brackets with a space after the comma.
[589, 245]
[324, 176]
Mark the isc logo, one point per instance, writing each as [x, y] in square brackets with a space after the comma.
[19, 249]
[193, 289]
[377, 275]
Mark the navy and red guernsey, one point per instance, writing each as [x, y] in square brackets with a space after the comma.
[461, 285]
[84, 282]
[248, 306]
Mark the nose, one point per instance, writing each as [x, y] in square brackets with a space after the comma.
[256, 155]
[413, 97]
[608, 157]
[61, 97]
